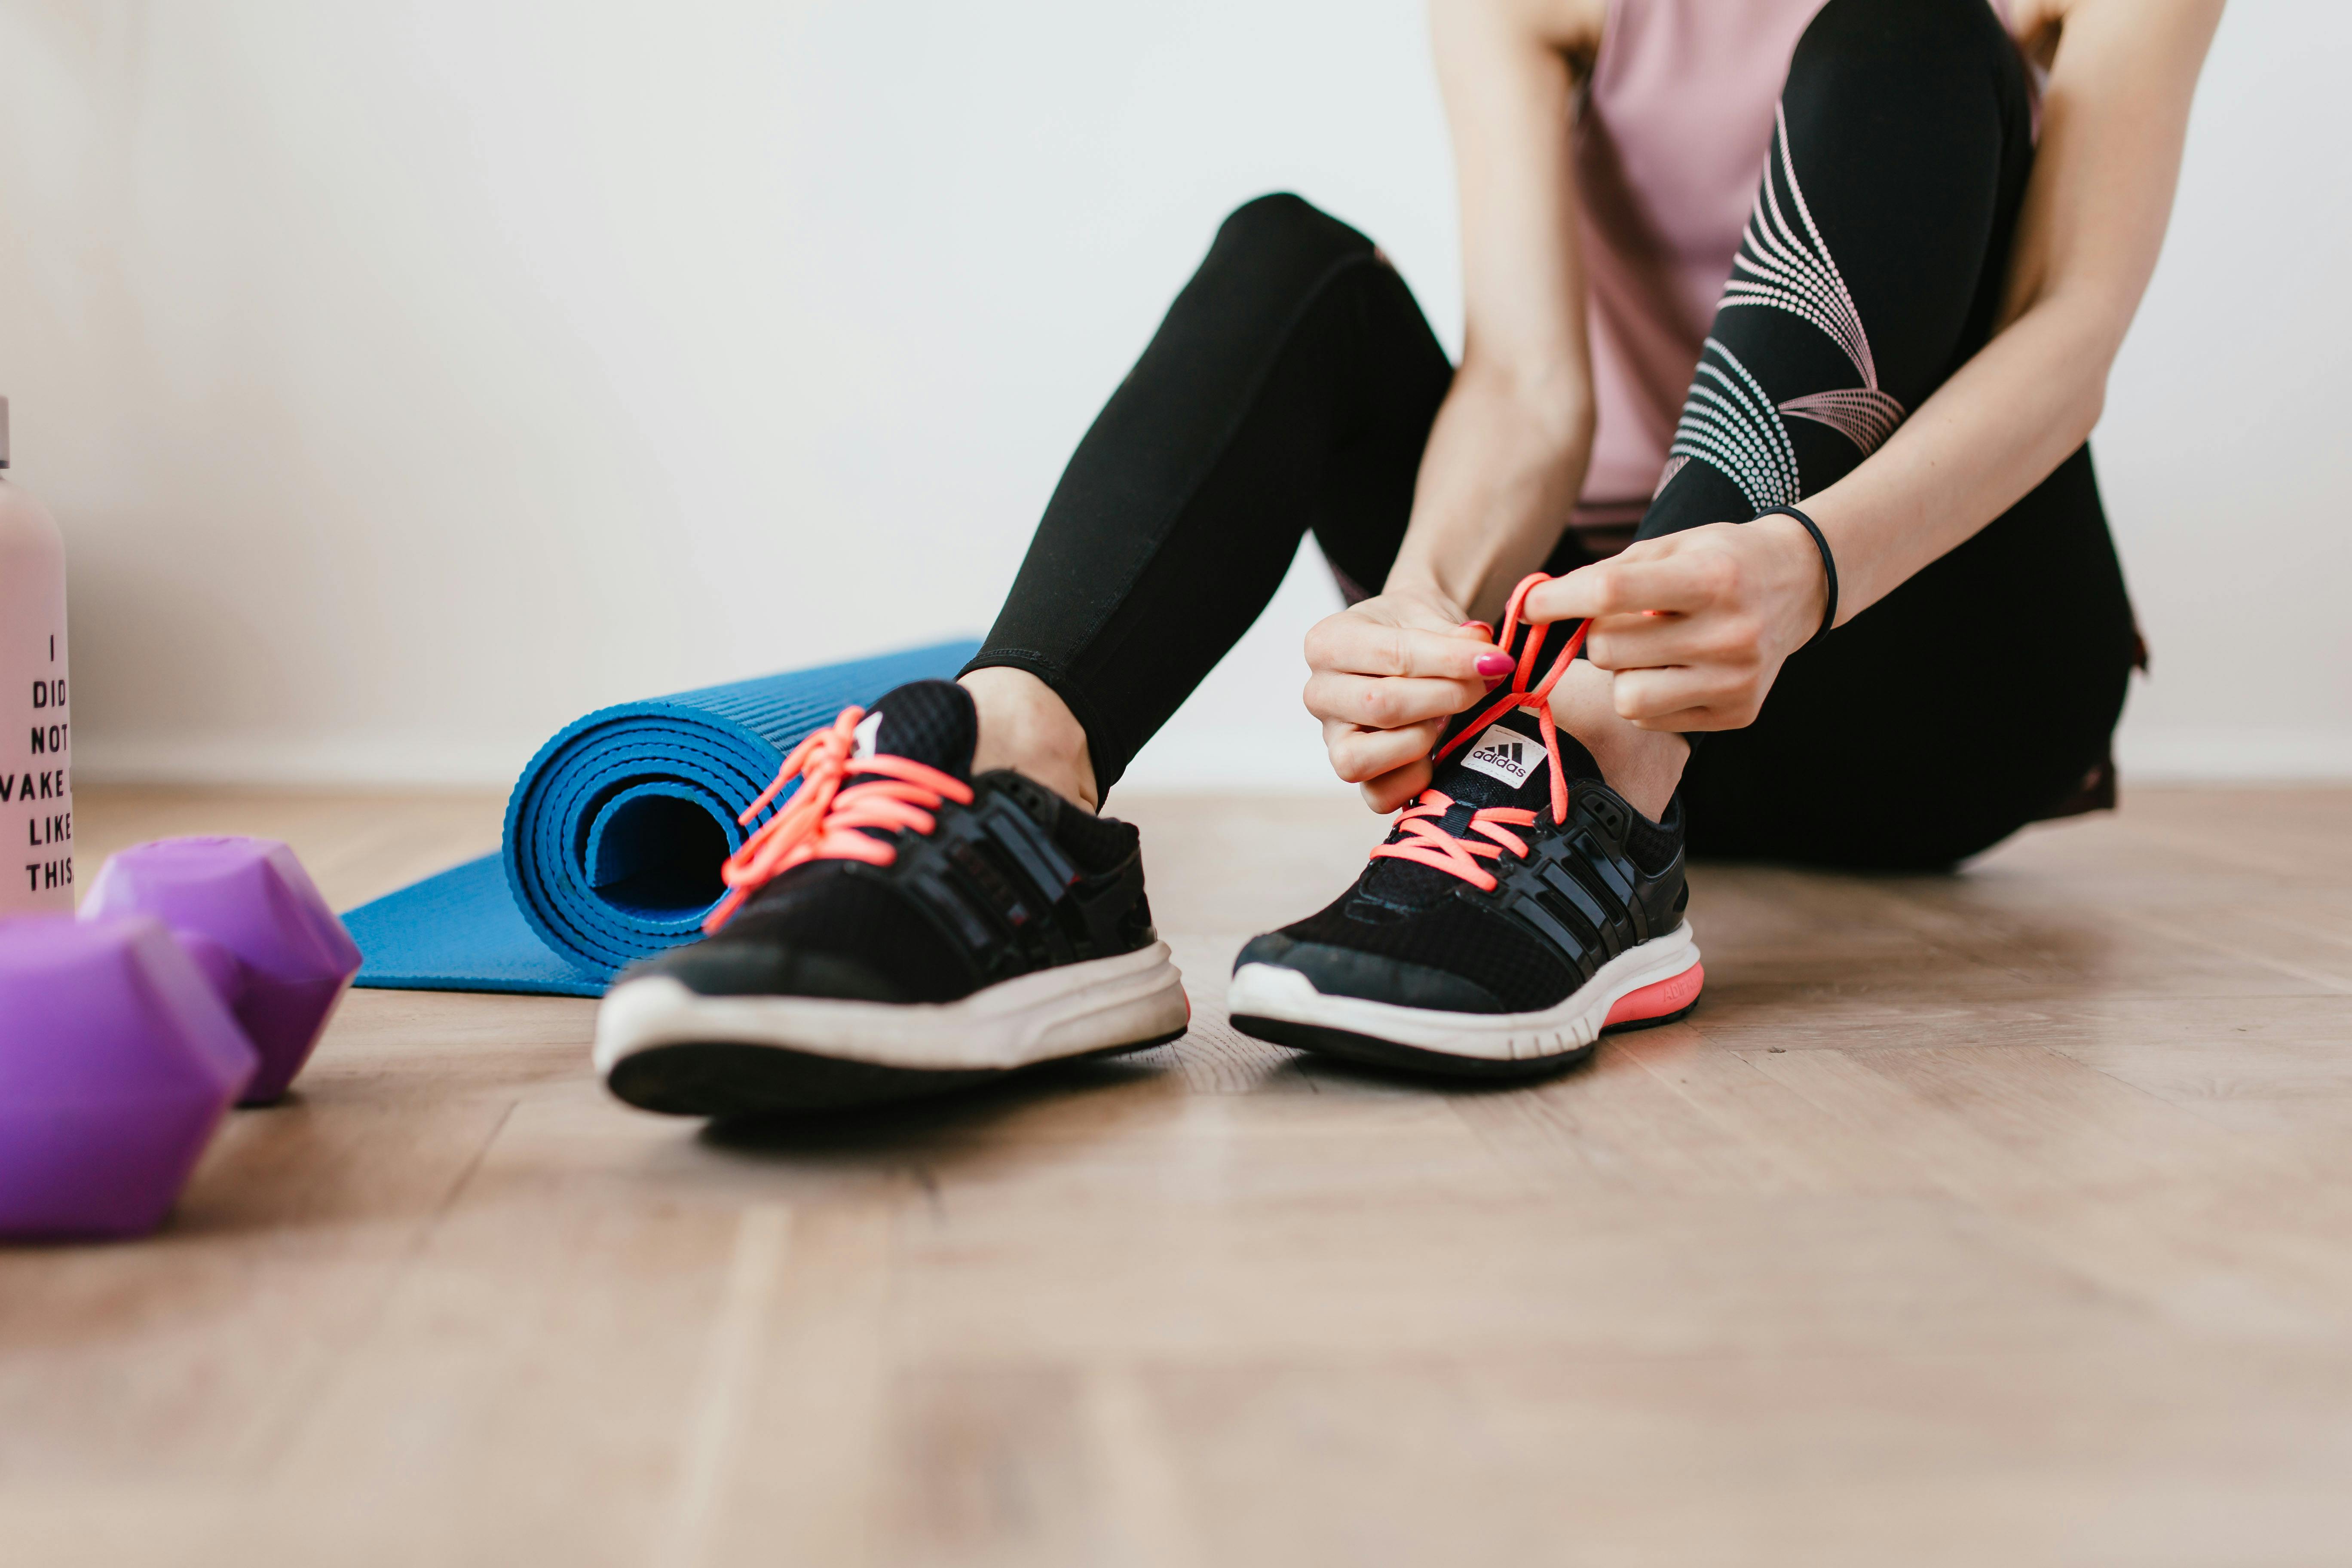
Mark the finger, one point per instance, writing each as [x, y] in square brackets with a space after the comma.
[1683, 721]
[1361, 754]
[1388, 702]
[1636, 642]
[1358, 755]
[1684, 581]
[1649, 695]
[1640, 642]
[1393, 789]
[1356, 645]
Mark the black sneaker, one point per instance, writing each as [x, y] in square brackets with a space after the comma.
[898, 929]
[1520, 909]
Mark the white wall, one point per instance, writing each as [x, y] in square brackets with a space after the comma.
[410, 378]
[2224, 452]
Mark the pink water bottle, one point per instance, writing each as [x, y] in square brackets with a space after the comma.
[35, 795]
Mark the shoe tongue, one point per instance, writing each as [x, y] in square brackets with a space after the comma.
[1502, 762]
[930, 722]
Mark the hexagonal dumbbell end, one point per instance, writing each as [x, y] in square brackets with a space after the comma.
[117, 1062]
[253, 921]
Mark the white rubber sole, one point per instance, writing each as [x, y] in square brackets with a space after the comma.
[1269, 991]
[1077, 1009]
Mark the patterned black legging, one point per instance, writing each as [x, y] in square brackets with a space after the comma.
[1293, 386]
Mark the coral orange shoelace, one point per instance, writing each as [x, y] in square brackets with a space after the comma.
[1428, 843]
[822, 820]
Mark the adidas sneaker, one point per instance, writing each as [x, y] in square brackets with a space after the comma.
[901, 926]
[1519, 908]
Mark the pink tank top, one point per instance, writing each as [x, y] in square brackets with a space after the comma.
[1670, 144]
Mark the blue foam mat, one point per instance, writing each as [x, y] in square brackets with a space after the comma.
[613, 835]
[460, 931]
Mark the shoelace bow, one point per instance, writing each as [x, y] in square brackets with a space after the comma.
[1429, 843]
[822, 820]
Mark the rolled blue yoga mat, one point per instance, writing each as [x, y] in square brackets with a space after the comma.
[614, 834]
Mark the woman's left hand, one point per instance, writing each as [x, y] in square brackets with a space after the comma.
[1694, 626]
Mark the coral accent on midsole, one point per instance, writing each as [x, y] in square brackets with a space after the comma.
[1659, 998]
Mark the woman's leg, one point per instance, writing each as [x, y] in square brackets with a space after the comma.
[1291, 387]
[1872, 269]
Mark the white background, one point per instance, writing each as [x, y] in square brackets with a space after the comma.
[409, 378]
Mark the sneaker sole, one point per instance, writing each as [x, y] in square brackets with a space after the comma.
[662, 1047]
[1641, 988]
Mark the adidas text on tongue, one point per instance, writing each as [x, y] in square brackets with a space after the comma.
[1504, 753]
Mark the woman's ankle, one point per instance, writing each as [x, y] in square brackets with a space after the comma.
[1646, 766]
[1025, 725]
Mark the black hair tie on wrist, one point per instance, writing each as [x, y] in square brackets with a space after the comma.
[1828, 562]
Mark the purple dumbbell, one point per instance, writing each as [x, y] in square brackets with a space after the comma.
[116, 1060]
[254, 922]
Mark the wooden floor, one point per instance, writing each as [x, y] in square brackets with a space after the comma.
[1997, 1219]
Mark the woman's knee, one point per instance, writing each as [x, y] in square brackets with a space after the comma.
[1906, 140]
[1889, 55]
[1283, 227]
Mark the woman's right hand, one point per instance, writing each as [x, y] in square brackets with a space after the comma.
[1388, 674]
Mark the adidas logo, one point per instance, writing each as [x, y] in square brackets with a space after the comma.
[863, 738]
[1506, 754]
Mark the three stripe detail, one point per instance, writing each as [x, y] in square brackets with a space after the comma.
[1571, 892]
[992, 877]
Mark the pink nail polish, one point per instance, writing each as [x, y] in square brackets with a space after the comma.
[1496, 664]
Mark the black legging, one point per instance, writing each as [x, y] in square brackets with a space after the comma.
[1293, 383]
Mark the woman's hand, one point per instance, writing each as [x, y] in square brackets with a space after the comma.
[1388, 674]
[1695, 626]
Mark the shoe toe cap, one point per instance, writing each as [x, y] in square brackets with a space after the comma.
[1337, 971]
[721, 968]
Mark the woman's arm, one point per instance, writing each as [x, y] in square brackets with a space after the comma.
[1729, 602]
[1506, 456]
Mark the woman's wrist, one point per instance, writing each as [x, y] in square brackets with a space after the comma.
[1469, 571]
[1500, 474]
[1422, 588]
[1797, 581]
